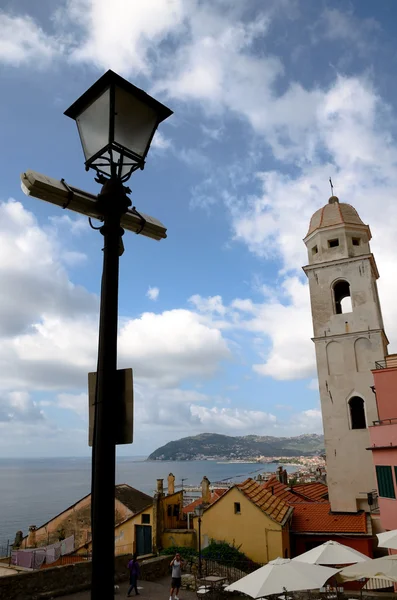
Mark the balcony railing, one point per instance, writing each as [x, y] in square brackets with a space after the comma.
[392, 421]
[390, 362]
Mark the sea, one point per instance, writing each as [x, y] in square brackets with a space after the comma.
[34, 490]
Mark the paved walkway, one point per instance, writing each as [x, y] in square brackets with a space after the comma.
[149, 590]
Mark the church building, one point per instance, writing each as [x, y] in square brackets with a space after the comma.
[349, 339]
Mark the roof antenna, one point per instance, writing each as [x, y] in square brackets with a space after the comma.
[332, 186]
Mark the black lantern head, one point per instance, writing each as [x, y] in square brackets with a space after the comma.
[116, 123]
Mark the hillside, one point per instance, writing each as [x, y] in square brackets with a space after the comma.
[214, 445]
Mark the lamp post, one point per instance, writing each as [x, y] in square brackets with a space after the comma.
[116, 123]
[199, 510]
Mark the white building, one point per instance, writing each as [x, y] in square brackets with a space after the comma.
[349, 338]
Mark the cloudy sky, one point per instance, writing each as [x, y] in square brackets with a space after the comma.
[271, 97]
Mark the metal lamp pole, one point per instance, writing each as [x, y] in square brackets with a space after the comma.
[113, 203]
[199, 545]
[116, 123]
[199, 510]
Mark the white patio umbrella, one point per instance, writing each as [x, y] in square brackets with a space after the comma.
[331, 553]
[377, 568]
[388, 539]
[280, 575]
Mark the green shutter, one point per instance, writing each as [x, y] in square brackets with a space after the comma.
[385, 482]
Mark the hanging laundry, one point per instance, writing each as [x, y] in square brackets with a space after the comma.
[53, 552]
[25, 558]
[67, 545]
[39, 556]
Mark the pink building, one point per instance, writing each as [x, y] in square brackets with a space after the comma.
[383, 436]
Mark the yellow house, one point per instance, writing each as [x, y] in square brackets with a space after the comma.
[157, 525]
[249, 516]
[76, 519]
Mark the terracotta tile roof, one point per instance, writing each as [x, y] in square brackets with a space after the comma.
[217, 493]
[316, 491]
[290, 494]
[273, 506]
[133, 499]
[316, 517]
[281, 490]
[334, 213]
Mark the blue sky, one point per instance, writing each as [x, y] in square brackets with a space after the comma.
[270, 99]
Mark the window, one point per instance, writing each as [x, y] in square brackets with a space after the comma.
[333, 243]
[356, 241]
[357, 413]
[169, 510]
[237, 508]
[314, 250]
[145, 520]
[385, 482]
[176, 510]
[342, 298]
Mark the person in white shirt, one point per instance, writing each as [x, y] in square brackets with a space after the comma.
[176, 576]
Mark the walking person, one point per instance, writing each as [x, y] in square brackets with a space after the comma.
[176, 576]
[133, 567]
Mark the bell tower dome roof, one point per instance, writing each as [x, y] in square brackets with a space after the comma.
[334, 213]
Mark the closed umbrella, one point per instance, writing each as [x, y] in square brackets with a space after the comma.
[377, 568]
[331, 553]
[388, 539]
[280, 575]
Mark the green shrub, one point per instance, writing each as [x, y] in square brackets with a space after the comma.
[186, 553]
[230, 555]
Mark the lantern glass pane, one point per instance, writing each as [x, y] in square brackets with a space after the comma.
[135, 122]
[93, 124]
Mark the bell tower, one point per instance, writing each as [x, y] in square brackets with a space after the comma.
[349, 338]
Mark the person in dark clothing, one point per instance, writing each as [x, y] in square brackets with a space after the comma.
[133, 567]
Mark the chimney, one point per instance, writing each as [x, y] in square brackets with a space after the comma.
[285, 477]
[160, 486]
[279, 474]
[205, 490]
[171, 484]
[32, 536]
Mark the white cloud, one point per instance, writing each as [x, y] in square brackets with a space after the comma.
[50, 335]
[77, 403]
[160, 142]
[171, 347]
[122, 35]
[232, 419]
[17, 406]
[337, 25]
[353, 128]
[22, 41]
[153, 293]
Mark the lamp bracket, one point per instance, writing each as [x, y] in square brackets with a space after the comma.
[70, 193]
[143, 220]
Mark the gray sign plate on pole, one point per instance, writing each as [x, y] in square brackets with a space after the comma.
[123, 403]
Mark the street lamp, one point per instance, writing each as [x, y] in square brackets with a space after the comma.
[199, 510]
[116, 123]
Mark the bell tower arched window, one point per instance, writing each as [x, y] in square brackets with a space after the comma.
[357, 413]
[342, 298]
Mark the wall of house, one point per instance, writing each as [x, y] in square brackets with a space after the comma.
[184, 538]
[124, 534]
[259, 537]
[386, 457]
[286, 542]
[385, 384]
[76, 521]
[172, 510]
[58, 581]
[299, 543]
